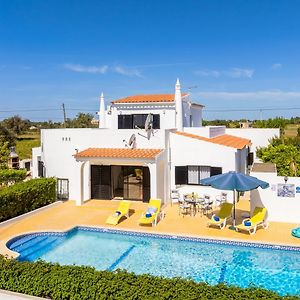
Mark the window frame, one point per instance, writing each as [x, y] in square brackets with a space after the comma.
[156, 120]
[198, 171]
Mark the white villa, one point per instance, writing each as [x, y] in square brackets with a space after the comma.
[145, 146]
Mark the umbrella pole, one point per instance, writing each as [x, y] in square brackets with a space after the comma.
[233, 208]
[232, 227]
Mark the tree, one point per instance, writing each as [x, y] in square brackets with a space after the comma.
[4, 152]
[82, 120]
[7, 136]
[16, 124]
[286, 158]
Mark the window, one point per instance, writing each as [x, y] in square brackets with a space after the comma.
[137, 121]
[194, 174]
[125, 122]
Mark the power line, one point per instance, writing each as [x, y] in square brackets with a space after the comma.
[251, 109]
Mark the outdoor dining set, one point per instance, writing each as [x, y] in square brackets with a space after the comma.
[193, 204]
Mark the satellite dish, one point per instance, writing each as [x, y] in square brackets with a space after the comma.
[149, 122]
[132, 141]
[148, 127]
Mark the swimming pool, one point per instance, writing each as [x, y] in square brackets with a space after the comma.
[275, 268]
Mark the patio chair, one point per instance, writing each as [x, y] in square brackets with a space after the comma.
[122, 211]
[184, 208]
[175, 196]
[206, 205]
[257, 219]
[153, 212]
[220, 199]
[221, 218]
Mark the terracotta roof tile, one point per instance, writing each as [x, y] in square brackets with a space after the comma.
[148, 98]
[118, 153]
[224, 140]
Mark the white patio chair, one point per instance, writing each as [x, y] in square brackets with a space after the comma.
[174, 196]
[220, 199]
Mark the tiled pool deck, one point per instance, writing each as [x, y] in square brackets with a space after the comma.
[65, 216]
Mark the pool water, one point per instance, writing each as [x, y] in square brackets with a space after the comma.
[209, 261]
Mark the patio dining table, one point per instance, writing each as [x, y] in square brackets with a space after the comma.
[193, 203]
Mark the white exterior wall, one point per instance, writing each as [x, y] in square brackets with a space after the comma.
[259, 136]
[36, 153]
[196, 112]
[166, 112]
[280, 209]
[186, 114]
[188, 151]
[58, 158]
[207, 131]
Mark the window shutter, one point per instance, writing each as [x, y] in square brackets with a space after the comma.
[181, 175]
[215, 171]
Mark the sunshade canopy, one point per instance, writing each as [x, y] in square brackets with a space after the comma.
[234, 181]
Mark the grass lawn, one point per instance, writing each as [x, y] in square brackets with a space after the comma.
[25, 143]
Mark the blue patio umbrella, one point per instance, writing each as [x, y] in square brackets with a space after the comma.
[234, 181]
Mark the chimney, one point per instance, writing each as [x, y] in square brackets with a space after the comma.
[102, 112]
[178, 106]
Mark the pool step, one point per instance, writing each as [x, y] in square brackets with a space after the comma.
[30, 243]
[40, 246]
[21, 241]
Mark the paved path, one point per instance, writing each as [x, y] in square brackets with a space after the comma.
[6, 295]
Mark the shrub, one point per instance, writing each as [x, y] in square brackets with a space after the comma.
[73, 282]
[23, 197]
[11, 176]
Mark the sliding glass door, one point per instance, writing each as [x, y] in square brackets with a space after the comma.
[133, 182]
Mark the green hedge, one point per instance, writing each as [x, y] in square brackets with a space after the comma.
[72, 282]
[12, 176]
[23, 197]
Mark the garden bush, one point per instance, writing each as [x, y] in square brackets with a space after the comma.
[26, 196]
[72, 282]
[11, 176]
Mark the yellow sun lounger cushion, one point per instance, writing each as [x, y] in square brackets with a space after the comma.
[122, 211]
[220, 219]
[257, 219]
[152, 214]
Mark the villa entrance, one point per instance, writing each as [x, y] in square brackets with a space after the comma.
[120, 182]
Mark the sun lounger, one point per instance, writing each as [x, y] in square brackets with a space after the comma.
[257, 219]
[153, 212]
[122, 211]
[221, 218]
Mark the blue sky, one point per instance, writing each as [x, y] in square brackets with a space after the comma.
[231, 55]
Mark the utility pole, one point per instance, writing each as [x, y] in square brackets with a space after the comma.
[260, 114]
[64, 111]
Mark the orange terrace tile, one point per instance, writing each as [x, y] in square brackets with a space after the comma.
[147, 98]
[93, 213]
[119, 153]
[224, 140]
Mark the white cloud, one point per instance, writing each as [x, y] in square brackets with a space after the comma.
[132, 72]
[276, 66]
[256, 95]
[239, 73]
[86, 69]
[233, 73]
[208, 73]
